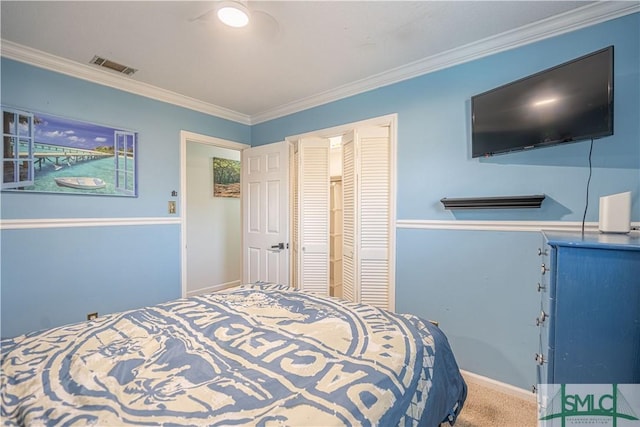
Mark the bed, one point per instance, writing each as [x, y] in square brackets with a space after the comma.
[258, 355]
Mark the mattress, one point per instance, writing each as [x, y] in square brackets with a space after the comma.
[260, 354]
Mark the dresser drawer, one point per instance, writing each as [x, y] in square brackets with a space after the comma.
[590, 290]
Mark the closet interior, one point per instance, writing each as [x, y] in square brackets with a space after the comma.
[335, 225]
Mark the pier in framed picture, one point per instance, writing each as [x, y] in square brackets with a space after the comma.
[50, 154]
[226, 178]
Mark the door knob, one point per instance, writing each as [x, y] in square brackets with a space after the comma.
[278, 246]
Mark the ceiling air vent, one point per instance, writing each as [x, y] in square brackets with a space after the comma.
[123, 69]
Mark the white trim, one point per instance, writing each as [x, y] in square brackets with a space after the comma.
[23, 224]
[214, 288]
[498, 386]
[591, 14]
[186, 136]
[500, 225]
[390, 120]
[93, 74]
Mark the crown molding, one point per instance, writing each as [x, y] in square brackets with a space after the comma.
[51, 62]
[585, 16]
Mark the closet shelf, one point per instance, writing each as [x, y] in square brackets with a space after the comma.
[503, 202]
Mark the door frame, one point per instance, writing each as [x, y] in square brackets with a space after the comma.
[186, 136]
[390, 120]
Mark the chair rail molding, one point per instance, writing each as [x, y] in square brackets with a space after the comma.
[23, 224]
[488, 225]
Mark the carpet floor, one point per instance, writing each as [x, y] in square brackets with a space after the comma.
[486, 407]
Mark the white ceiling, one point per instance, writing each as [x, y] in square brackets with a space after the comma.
[293, 55]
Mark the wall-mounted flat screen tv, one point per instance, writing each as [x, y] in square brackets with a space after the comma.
[567, 103]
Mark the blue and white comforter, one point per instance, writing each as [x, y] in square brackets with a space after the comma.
[255, 355]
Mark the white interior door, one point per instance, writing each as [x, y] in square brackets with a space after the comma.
[265, 213]
[313, 198]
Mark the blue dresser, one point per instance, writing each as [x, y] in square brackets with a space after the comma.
[589, 317]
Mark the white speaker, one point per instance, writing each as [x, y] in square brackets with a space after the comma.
[615, 213]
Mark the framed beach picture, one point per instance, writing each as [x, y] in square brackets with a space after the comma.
[50, 154]
[226, 178]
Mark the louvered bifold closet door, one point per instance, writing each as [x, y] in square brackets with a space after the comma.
[295, 220]
[349, 276]
[374, 215]
[313, 196]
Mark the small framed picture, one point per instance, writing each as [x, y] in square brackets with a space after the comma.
[226, 178]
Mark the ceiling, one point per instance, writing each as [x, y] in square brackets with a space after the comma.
[293, 54]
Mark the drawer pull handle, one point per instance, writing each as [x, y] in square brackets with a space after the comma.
[540, 320]
[540, 359]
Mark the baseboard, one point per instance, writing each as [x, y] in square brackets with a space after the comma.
[214, 288]
[501, 387]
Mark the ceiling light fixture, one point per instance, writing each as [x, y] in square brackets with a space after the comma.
[233, 13]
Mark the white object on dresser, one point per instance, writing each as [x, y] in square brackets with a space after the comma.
[615, 213]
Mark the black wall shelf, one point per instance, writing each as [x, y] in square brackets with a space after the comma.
[504, 202]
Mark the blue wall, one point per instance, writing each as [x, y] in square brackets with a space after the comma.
[478, 284]
[55, 276]
[434, 156]
[158, 125]
[58, 275]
